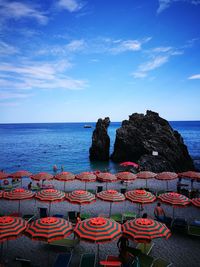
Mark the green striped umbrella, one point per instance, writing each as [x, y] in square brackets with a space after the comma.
[140, 197]
[111, 196]
[86, 177]
[166, 176]
[143, 230]
[98, 230]
[50, 195]
[196, 202]
[18, 194]
[80, 197]
[65, 177]
[106, 177]
[145, 175]
[174, 199]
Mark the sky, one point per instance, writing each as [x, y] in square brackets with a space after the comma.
[80, 60]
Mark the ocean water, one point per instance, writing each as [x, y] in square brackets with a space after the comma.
[37, 147]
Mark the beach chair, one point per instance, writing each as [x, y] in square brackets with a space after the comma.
[145, 247]
[63, 260]
[42, 212]
[85, 216]
[180, 225]
[23, 262]
[194, 228]
[134, 251]
[128, 216]
[99, 189]
[160, 262]
[65, 243]
[87, 260]
[72, 216]
[117, 217]
[145, 260]
[29, 217]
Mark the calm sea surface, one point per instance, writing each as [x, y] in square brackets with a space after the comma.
[37, 147]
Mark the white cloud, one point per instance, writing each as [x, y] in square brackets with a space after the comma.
[6, 49]
[8, 95]
[70, 5]
[164, 4]
[17, 10]
[194, 77]
[76, 45]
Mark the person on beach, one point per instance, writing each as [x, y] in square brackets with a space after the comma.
[30, 186]
[62, 168]
[159, 212]
[55, 168]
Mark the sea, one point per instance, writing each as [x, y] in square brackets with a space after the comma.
[37, 147]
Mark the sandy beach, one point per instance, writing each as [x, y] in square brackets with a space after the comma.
[180, 249]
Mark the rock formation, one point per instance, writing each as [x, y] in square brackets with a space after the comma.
[100, 141]
[151, 141]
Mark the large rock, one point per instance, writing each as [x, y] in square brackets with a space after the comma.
[143, 136]
[100, 141]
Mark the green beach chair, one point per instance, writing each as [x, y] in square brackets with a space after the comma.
[145, 260]
[160, 262]
[117, 217]
[129, 216]
[87, 260]
[145, 247]
[65, 243]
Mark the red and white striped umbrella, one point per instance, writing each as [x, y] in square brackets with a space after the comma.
[196, 202]
[190, 174]
[50, 195]
[18, 194]
[86, 177]
[166, 176]
[140, 196]
[111, 196]
[42, 176]
[106, 177]
[80, 197]
[145, 175]
[20, 174]
[174, 199]
[3, 175]
[65, 177]
[126, 176]
[129, 163]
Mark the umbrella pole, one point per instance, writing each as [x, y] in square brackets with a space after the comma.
[146, 183]
[139, 209]
[80, 209]
[21, 182]
[173, 212]
[110, 209]
[19, 207]
[97, 254]
[49, 208]
[167, 185]
[106, 185]
[64, 185]
[85, 186]
[1, 255]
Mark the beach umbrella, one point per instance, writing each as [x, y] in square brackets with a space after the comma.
[174, 199]
[191, 175]
[143, 230]
[80, 197]
[111, 196]
[65, 177]
[49, 229]
[42, 176]
[20, 174]
[125, 176]
[106, 177]
[166, 176]
[98, 230]
[18, 194]
[50, 195]
[145, 175]
[196, 202]
[86, 177]
[129, 163]
[140, 197]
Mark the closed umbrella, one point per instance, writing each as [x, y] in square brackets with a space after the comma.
[111, 196]
[65, 177]
[106, 177]
[98, 230]
[166, 176]
[80, 197]
[86, 177]
[18, 194]
[174, 199]
[145, 175]
[50, 195]
[140, 197]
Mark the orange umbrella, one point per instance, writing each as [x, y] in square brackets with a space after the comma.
[65, 177]
[20, 174]
[126, 176]
[145, 175]
[189, 174]
[106, 177]
[3, 175]
[111, 196]
[166, 176]
[41, 176]
[86, 177]
[80, 197]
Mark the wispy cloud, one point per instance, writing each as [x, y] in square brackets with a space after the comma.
[71, 5]
[17, 10]
[194, 77]
[7, 95]
[164, 4]
[6, 49]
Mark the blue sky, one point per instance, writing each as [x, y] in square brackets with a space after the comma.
[74, 60]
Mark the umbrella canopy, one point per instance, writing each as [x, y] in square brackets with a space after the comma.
[42, 176]
[86, 177]
[98, 230]
[50, 195]
[106, 177]
[3, 175]
[18, 194]
[11, 227]
[190, 174]
[129, 163]
[80, 197]
[174, 199]
[125, 176]
[111, 196]
[20, 174]
[144, 230]
[166, 176]
[145, 175]
[196, 202]
[64, 177]
[49, 229]
[140, 196]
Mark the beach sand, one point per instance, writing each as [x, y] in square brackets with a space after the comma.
[180, 249]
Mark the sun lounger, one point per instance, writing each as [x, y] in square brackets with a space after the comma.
[43, 212]
[85, 216]
[63, 260]
[87, 260]
[180, 225]
[160, 262]
[145, 260]
[128, 216]
[67, 243]
[145, 248]
[117, 217]
[194, 228]
[29, 217]
[24, 262]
